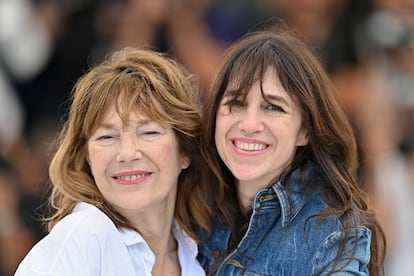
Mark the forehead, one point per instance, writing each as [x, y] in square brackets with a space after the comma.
[268, 83]
[129, 113]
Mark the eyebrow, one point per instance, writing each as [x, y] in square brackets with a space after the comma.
[105, 125]
[139, 123]
[268, 97]
[276, 98]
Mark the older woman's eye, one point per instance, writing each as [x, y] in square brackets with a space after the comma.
[151, 133]
[105, 137]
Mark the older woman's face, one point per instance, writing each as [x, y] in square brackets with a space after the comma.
[135, 166]
[258, 140]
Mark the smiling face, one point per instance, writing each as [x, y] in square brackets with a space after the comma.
[135, 165]
[257, 138]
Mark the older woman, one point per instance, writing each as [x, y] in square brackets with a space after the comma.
[127, 178]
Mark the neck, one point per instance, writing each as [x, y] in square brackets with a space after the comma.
[245, 195]
[166, 258]
[157, 232]
[156, 229]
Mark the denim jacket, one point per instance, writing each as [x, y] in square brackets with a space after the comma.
[284, 238]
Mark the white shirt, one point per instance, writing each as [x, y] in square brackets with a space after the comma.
[87, 242]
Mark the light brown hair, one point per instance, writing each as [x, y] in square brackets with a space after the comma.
[139, 80]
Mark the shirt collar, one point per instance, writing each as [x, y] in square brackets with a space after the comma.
[185, 242]
[187, 247]
[132, 237]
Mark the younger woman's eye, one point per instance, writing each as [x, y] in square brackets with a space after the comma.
[237, 102]
[272, 107]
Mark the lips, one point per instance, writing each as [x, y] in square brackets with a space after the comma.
[131, 177]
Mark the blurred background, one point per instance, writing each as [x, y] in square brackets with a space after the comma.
[367, 47]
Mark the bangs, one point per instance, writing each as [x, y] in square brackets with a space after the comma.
[242, 73]
[130, 92]
[140, 96]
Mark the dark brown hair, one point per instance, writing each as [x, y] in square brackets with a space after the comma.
[331, 142]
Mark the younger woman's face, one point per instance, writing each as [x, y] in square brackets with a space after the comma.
[257, 140]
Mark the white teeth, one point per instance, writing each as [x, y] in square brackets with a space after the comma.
[249, 146]
[132, 177]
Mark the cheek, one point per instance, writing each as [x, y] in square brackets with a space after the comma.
[221, 127]
[224, 127]
[168, 153]
[96, 160]
[218, 137]
[286, 135]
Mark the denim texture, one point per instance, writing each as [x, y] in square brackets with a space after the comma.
[285, 238]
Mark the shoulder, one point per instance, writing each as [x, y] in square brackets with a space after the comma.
[85, 222]
[332, 234]
[86, 218]
[356, 254]
[76, 243]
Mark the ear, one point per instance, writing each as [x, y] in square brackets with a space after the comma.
[302, 138]
[185, 162]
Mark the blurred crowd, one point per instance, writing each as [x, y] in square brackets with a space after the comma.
[367, 47]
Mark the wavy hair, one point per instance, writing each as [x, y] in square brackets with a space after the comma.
[331, 142]
[141, 81]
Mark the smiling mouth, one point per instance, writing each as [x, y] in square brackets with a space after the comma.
[131, 177]
[250, 146]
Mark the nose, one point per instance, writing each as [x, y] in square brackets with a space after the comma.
[129, 149]
[251, 121]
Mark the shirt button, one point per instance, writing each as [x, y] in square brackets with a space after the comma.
[147, 256]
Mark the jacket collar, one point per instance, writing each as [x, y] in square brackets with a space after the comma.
[292, 200]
